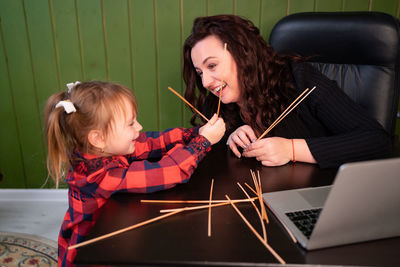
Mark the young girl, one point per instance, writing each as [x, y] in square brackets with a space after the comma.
[93, 134]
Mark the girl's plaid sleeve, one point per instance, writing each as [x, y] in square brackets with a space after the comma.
[143, 176]
[153, 145]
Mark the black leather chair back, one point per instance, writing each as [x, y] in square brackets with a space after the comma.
[360, 50]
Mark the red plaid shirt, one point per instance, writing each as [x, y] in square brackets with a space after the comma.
[92, 180]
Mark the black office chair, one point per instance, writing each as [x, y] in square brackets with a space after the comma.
[360, 50]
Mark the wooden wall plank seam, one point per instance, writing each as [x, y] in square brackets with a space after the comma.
[191, 9]
[156, 51]
[169, 73]
[143, 27]
[67, 40]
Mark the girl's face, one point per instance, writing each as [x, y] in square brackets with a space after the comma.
[125, 130]
[216, 67]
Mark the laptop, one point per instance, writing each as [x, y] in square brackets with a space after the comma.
[362, 204]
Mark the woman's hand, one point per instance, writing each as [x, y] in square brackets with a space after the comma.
[271, 151]
[213, 130]
[242, 136]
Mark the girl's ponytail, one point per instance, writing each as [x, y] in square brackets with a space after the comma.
[57, 140]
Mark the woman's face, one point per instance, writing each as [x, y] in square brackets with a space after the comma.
[217, 68]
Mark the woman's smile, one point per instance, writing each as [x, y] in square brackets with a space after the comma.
[219, 89]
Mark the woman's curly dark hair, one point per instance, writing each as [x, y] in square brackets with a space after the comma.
[264, 77]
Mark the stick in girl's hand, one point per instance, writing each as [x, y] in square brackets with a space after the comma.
[187, 102]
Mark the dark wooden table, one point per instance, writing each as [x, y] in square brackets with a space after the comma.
[182, 239]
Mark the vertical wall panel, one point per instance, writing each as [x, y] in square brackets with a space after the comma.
[328, 5]
[144, 62]
[66, 37]
[216, 7]
[398, 9]
[191, 9]
[388, 6]
[22, 85]
[11, 163]
[42, 48]
[118, 42]
[271, 12]
[356, 5]
[249, 9]
[169, 63]
[296, 6]
[92, 39]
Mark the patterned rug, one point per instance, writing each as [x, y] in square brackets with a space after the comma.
[26, 250]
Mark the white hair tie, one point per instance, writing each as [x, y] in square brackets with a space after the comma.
[72, 86]
[67, 105]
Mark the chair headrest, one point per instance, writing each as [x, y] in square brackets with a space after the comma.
[353, 34]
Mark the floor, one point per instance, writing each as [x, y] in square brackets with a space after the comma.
[33, 211]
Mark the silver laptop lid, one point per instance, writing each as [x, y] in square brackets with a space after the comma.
[364, 204]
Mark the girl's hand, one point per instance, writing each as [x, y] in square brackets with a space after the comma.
[213, 130]
[243, 137]
[271, 151]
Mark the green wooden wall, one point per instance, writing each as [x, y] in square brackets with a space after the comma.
[45, 44]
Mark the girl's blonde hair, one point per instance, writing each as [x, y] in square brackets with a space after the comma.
[96, 104]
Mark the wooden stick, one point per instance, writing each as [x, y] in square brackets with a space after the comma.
[283, 113]
[258, 213]
[222, 85]
[187, 201]
[124, 230]
[264, 212]
[209, 209]
[247, 195]
[262, 200]
[253, 175]
[206, 206]
[259, 194]
[219, 100]
[187, 102]
[246, 184]
[287, 111]
[284, 226]
[256, 234]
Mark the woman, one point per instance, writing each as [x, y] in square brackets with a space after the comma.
[257, 85]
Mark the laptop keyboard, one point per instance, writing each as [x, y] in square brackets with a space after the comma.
[304, 220]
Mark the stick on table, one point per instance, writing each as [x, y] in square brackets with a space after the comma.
[124, 230]
[273, 252]
[209, 208]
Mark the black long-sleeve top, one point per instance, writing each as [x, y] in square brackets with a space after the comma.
[337, 130]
